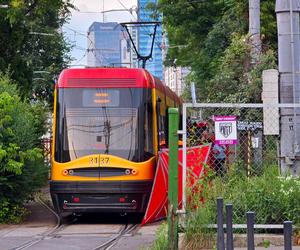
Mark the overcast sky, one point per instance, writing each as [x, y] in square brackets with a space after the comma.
[89, 12]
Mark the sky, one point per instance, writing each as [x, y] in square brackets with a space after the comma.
[89, 11]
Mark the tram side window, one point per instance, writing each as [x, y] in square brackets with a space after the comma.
[148, 131]
[166, 127]
[161, 129]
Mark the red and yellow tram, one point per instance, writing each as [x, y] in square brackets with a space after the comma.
[109, 124]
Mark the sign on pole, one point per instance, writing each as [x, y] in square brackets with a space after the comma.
[225, 130]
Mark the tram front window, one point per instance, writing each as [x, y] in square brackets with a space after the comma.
[100, 121]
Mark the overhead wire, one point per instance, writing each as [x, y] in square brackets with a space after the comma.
[144, 28]
[91, 43]
[101, 60]
[147, 33]
[85, 53]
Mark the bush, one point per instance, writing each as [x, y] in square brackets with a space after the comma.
[272, 197]
[11, 212]
[22, 169]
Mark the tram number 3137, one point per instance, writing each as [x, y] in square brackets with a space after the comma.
[95, 161]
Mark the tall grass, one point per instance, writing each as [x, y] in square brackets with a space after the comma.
[272, 197]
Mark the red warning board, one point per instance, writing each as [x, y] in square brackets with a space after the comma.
[158, 202]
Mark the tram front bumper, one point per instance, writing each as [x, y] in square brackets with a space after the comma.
[100, 196]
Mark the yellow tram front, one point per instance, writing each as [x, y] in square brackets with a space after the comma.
[103, 157]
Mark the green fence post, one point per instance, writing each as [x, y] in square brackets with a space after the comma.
[173, 179]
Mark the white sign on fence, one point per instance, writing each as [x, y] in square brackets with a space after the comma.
[225, 130]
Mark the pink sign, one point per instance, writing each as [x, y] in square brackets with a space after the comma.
[225, 130]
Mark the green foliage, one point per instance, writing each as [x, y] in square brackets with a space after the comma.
[22, 169]
[31, 41]
[161, 241]
[265, 243]
[235, 80]
[272, 197]
[211, 32]
[197, 234]
[268, 24]
[10, 213]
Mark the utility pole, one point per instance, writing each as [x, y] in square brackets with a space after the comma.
[254, 30]
[287, 12]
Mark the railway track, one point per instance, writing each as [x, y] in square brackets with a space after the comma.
[52, 232]
[128, 228]
[58, 227]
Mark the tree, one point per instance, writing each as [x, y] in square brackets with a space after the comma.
[31, 41]
[22, 168]
[235, 81]
[207, 28]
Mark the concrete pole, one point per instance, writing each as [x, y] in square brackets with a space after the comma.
[254, 29]
[287, 12]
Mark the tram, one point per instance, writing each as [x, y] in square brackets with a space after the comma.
[109, 124]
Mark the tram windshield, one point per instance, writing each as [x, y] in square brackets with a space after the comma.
[103, 121]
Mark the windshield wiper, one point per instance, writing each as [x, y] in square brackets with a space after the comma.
[106, 132]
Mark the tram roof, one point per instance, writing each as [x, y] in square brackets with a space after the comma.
[105, 77]
[111, 78]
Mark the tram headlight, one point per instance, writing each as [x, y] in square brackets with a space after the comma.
[134, 172]
[65, 172]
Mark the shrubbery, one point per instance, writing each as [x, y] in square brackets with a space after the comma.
[22, 169]
[273, 198]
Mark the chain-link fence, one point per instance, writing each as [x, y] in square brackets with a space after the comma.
[244, 159]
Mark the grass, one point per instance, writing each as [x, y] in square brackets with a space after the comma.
[161, 242]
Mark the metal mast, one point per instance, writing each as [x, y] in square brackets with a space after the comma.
[287, 12]
[143, 58]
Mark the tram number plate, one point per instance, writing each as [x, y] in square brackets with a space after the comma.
[99, 161]
[94, 161]
[104, 161]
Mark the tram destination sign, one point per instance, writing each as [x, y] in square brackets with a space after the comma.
[249, 126]
[225, 130]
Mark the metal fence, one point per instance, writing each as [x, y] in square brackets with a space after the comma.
[245, 141]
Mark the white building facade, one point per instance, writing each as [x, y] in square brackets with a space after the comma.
[174, 78]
